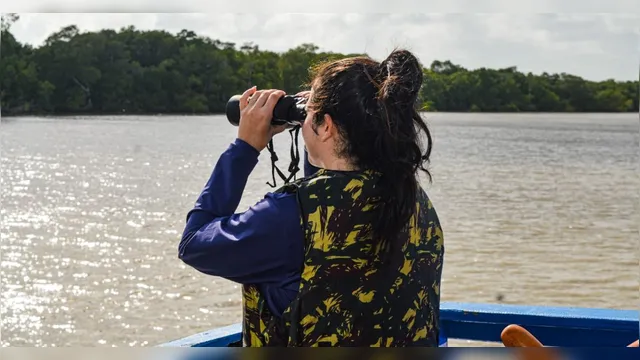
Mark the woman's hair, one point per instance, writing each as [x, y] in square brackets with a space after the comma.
[374, 108]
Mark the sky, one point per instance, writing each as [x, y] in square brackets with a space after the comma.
[596, 46]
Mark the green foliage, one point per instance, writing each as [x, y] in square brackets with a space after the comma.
[6, 20]
[132, 72]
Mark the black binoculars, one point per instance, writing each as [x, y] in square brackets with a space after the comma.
[289, 110]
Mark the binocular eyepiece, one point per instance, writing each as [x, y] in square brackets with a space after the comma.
[289, 110]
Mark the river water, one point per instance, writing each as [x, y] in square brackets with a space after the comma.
[536, 209]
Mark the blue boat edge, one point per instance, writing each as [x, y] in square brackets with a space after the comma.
[553, 326]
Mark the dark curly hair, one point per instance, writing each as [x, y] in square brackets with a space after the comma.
[374, 108]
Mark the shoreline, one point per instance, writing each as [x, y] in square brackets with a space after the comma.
[69, 115]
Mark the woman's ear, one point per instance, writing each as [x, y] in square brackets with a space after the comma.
[327, 129]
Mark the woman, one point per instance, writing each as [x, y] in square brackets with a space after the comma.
[350, 255]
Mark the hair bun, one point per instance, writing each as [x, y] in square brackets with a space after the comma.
[402, 74]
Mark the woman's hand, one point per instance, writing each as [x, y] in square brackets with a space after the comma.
[255, 117]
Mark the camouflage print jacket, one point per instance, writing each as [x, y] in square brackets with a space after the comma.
[347, 297]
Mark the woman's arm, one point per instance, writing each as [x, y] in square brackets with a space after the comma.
[259, 245]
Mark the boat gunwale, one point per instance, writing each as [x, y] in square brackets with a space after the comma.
[553, 325]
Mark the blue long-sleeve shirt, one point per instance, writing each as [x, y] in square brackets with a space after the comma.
[263, 245]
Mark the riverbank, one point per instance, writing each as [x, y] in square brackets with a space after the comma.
[88, 114]
[111, 72]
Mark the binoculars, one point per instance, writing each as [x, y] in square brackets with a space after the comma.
[289, 110]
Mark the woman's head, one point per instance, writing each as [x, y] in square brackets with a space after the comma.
[362, 115]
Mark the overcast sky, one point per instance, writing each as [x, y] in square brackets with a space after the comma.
[595, 46]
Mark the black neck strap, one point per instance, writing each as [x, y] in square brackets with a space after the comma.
[295, 159]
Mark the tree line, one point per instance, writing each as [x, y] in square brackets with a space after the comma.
[131, 71]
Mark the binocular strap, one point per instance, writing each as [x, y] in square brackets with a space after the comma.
[295, 159]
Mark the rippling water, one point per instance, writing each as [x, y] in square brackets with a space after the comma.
[542, 209]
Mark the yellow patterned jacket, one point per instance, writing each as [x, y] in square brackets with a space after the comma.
[348, 296]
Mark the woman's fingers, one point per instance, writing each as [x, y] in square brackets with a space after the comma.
[244, 99]
[264, 95]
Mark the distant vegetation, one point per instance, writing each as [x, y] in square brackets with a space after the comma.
[148, 72]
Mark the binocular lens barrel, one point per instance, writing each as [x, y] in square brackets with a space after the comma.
[288, 110]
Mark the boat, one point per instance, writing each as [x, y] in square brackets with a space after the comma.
[552, 326]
